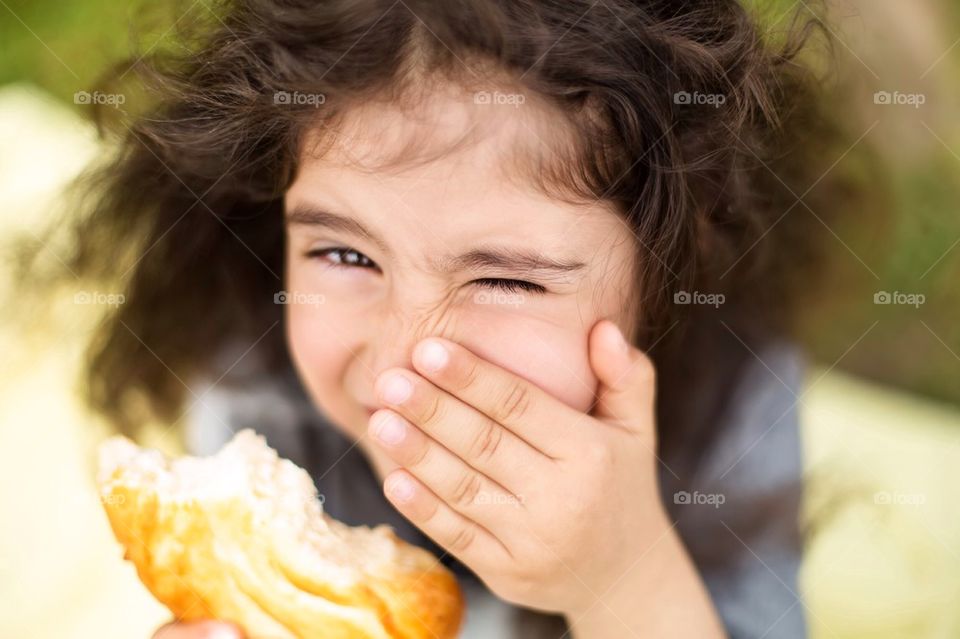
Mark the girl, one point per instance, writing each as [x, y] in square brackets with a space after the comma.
[446, 254]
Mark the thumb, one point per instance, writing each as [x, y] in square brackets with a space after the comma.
[627, 379]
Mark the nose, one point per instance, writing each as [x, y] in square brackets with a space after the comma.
[393, 337]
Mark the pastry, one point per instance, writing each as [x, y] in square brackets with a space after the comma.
[242, 536]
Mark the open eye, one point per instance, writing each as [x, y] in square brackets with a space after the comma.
[342, 257]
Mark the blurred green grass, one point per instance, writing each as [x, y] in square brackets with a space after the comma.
[63, 47]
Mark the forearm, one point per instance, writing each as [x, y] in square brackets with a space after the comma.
[661, 595]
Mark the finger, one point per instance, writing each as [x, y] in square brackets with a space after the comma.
[627, 379]
[536, 417]
[462, 487]
[470, 542]
[205, 629]
[469, 434]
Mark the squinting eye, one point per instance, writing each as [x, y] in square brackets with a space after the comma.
[510, 286]
[345, 257]
[342, 256]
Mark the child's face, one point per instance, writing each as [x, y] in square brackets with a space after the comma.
[347, 322]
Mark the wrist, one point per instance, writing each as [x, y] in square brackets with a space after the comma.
[659, 593]
[637, 567]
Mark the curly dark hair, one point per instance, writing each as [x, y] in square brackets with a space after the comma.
[185, 214]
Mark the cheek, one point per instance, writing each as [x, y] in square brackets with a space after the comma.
[317, 329]
[550, 356]
[320, 359]
[307, 344]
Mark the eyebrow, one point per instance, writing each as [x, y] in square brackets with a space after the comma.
[510, 259]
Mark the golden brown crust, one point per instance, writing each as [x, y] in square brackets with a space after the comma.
[244, 558]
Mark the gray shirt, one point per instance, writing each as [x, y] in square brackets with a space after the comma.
[737, 513]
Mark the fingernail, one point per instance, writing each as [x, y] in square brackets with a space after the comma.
[400, 487]
[432, 355]
[221, 631]
[396, 389]
[388, 428]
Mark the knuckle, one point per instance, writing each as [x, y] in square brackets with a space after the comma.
[597, 454]
[487, 443]
[420, 457]
[463, 539]
[470, 375]
[579, 505]
[432, 411]
[467, 489]
[429, 518]
[515, 403]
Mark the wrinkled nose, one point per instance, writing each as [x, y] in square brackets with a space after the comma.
[391, 344]
[396, 333]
